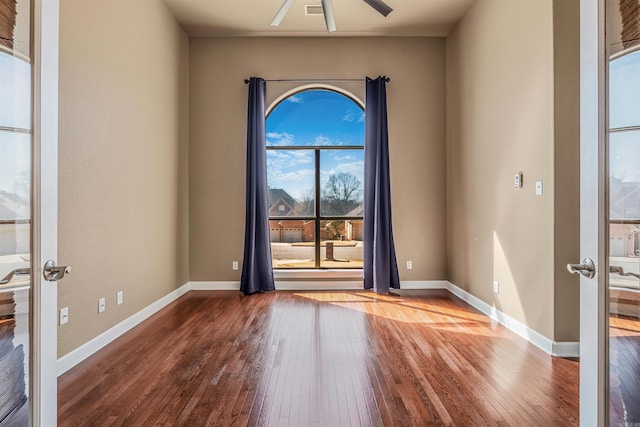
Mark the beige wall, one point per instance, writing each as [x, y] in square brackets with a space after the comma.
[566, 29]
[218, 108]
[123, 160]
[502, 107]
[512, 105]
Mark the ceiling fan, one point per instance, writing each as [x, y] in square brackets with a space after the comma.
[327, 9]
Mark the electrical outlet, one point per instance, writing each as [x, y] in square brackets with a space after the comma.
[102, 305]
[234, 265]
[64, 315]
[409, 265]
[496, 287]
[119, 297]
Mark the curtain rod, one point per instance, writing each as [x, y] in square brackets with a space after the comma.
[387, 79]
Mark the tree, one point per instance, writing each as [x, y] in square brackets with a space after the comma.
[306, 206]
[341, 194]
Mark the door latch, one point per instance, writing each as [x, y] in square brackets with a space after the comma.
[53, 272]
[587, 268]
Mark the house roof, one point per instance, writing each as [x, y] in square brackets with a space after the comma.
[275, 194]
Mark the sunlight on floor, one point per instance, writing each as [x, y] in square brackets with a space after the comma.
[406, 310]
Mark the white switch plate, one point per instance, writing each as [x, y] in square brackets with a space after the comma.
[119, 297]
[409, 265]
[64, 315]
[538, 188]
[496, 287]
[234, 265]
[102, 305]
[517, 180]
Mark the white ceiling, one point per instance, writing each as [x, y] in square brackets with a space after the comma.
[208, 18]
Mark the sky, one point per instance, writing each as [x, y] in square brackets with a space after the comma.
[624, 110]
[313, 118]
[15, 112]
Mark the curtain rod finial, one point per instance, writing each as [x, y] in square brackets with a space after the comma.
[246, 81]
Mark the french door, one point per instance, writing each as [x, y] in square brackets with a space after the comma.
[28, 210]
[610, 214]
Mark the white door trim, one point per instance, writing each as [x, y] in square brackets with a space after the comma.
[43, 382]
[594, 389]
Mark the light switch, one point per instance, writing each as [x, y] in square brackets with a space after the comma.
[538, 188]
[517, 180]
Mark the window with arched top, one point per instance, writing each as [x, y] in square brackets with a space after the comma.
[315, 175]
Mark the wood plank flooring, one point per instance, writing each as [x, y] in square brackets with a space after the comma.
[320, 359]
[624, 371]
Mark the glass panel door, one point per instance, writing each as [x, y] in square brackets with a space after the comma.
[15, 211]
[624, 215]
[624, 239]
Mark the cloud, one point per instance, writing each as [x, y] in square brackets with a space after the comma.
[349, 116]
[356, 168]
[296, 99]
[352, 116]
[279, 160]
[295, 182]
[322, 140]
[325, 141]
[280, 139]
[343, 158]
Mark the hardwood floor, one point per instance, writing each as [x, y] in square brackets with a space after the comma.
[624, 371]
[320, 358]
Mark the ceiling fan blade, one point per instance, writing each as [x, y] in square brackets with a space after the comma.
[380, 6]
[286, 5]
[327, 9]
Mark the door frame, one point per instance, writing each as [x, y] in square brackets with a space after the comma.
[594, 214]
[44, 179]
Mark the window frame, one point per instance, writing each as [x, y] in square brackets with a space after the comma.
[317, 218]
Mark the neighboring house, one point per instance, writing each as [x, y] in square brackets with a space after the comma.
[624, 239]
[287, 230]
[281, 203]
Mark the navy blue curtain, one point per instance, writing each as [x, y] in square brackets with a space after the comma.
[380, 265]
[257, 274]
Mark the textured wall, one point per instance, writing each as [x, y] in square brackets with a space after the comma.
[500, 120]
[218, 105]
[123, 201]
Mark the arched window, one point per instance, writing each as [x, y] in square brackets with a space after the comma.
[315, 174]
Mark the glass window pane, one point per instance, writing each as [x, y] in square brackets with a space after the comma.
[341, 243]
[342, 182]
[316, 118]
[15, 90]
[15, 201]
[292, 243]
[15, 176]
[624, 159]
[625, 91]
[291, 182]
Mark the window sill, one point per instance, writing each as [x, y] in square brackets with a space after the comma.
[329, 274]
[319, 279]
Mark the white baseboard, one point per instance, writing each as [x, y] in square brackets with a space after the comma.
[73, 358]
[424, 284]
[554, 348]
[214, 286]
[559, 349]
[566, 349]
